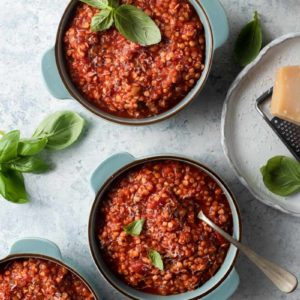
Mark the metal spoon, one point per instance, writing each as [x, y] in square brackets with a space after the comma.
[283, 279]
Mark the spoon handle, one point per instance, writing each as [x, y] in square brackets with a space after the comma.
[284, 280]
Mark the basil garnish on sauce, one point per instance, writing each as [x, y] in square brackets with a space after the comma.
[156, 259]
[281, 175]
[249, 42]
[96, 3]
[135, 228]
[132, 22]
[58, 131]
[102, 21]
[136, 26]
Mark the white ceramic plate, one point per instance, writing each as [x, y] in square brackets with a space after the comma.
[247, 140]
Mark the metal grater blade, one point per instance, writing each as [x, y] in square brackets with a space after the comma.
[288, 132]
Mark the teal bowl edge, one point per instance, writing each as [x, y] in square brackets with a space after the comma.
[226, 275]
[214, 20]
[46, 249]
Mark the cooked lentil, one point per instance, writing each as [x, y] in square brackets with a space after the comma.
[126, 79]
[38, 279]
[168, 195]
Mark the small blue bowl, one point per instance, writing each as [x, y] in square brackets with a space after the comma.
[220, 287]
[60, 85]
[47, 250]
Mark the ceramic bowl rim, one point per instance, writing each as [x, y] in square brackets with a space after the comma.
[140, 161]
[74, 92]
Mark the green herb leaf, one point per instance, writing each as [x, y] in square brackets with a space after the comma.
[62, 129]
[113, 3]
[29, 164]
[135, 228]
[249, 42]
[281, 175]
[9, 146]
[97, 3]
[102, 21]
[31, 146]
[136, 26]
[156, 259]
[12, 187]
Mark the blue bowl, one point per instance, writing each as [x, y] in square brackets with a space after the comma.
[220, 287]
[47, 250]
[60, 86]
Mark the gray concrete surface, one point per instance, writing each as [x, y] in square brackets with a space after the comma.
[61, 200]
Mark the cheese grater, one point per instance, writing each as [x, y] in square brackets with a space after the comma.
[288, 132]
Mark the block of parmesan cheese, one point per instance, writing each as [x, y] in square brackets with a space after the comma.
[286, 94]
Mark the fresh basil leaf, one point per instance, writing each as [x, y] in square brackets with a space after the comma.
[102, 21]
[135, 228]
[113, 3]
[136, 26]
[281, 175]
[156, 259]
[31, 146]
[249, 42]
[96, 3]
[12, 187]
[9, 146]
[30, 164]
[61, 129]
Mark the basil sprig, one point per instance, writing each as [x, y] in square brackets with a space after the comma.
[32, 146]
[130, 21]
[12, 187]
[58, 131]
[156, 259]
[249, 42]
[29, 164]
[9, 146]
[134, 228]
[61, 129]
[281, 175]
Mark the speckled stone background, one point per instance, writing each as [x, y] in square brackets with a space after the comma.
[61, 200]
